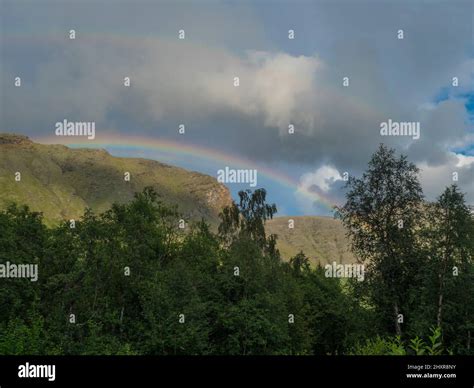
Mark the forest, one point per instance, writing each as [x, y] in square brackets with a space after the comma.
[129, 281]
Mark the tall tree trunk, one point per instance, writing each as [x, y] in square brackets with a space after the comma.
[440, 308]
[441, 289]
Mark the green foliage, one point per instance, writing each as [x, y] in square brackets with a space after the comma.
[372, 347]
[20, 338]
[395, 346]
[435, 346]
[417, 345]
[182, 295]
[248, 218]
[137, 284]
[447, 237]
[381, 215]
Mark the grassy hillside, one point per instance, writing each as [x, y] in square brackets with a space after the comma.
[61, 182]
[322, 239]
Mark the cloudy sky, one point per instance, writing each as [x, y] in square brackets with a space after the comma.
[282, 82]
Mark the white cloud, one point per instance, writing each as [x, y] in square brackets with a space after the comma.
[173, 79]
[464, 160]
[435, 178]
[320, 182]
[321, 179]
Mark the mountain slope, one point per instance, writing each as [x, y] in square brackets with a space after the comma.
[322, 239]
[61, 182]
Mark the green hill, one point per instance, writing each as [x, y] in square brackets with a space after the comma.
[322, 239]
[61, 182]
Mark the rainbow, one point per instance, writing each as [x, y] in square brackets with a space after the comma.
[190, 150]
[113, 140]
[195, 151]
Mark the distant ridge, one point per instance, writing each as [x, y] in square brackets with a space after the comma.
[322, 239]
